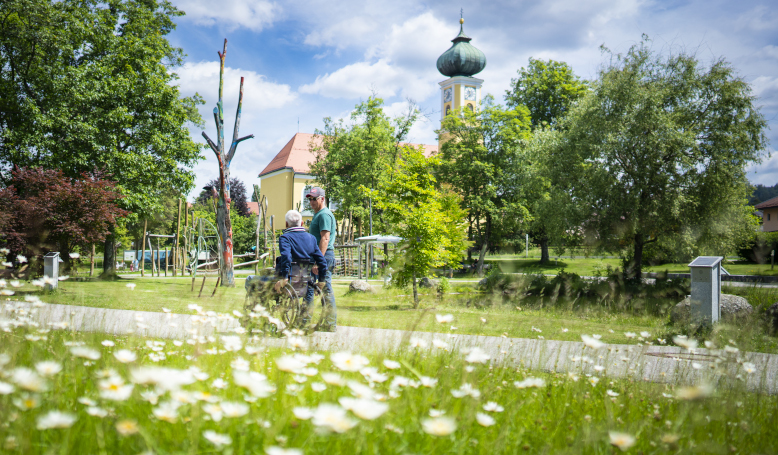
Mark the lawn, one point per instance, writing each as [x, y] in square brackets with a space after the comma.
[476, 313]
[598, 266]
[64, 392]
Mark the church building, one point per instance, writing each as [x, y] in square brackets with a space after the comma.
[286, 179]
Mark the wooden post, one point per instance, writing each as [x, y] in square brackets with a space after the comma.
[92, 261]
[202, 286]
[264, 226]
[167, 260]
[273, 237]
[143, 249]
[216, 287]
[178, 235]
[360, 262]
[259, 214]
[151, 253]
[158, 258]
[184, 253]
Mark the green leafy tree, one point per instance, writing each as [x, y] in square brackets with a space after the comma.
[659, 149]
[430, 222]
[88, 85]
[549, 89]
[351, 156]
[482, 161]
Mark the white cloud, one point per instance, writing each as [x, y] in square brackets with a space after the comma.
[258, 92]
[401, 64]
[251, 14]
[761, 17]
[361, 79]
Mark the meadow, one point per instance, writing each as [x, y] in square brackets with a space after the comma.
[478, 312]
[65, 392]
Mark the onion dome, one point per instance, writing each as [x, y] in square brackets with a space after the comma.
[462, 58]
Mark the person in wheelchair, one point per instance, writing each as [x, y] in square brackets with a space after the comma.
[298, 247]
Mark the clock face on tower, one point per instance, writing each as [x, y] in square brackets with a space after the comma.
[470, 93]
[447, 95]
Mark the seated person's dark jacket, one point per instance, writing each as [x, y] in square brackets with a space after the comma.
[296, 245]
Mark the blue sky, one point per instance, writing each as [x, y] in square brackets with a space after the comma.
[312, 59]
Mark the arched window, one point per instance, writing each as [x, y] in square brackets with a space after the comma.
[470, 106]
[448, 109]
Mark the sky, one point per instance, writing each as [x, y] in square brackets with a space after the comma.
[306, 60]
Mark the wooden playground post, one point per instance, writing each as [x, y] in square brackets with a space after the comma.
[151, 253]
[92, 261]
[167, 260]
[218, 280]
[264, 226]
[259, 214]
[273, 237]
[185, 250]
[143, 249]
[202, 286]
[178, 237]
[159, 259]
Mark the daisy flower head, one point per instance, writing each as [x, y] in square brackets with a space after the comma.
[391, 364]
[55, 419]
[275, 450]
[484, 420]
[493, 407]
[592, 342]
[127, 427]
[217, 439]
[622, 441]
[125, 356]
[529, 383]
[347, 361]
[439, 426]
[444, 318]
[477, 355]
[48, 367]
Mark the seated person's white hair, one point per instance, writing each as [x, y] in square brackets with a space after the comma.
[293, 218]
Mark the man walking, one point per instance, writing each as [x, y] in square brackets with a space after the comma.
[324, 228]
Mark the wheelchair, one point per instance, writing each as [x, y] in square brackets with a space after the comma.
[270, 313]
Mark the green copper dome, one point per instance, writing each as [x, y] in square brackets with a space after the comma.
[461, 59]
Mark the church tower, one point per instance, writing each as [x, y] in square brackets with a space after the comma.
[460, 62]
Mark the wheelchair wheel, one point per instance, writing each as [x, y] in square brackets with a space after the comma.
[288, 307]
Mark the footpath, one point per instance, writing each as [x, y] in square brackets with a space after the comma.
[661, 364]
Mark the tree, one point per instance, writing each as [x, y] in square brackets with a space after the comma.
[659, 149]
[224, 157]
[237, 194]
[43, 210]
[430, 222]
[549, 89]
[352, 156]
[482, 161]
[87, 84]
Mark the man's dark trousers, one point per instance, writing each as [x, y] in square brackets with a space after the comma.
[331, 314]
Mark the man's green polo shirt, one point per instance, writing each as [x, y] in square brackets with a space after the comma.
[324, 220]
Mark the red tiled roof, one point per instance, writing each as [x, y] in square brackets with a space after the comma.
[767, 204]
[253, 207]
[296, 154]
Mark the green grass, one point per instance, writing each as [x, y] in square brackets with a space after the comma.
[582, 266]
[561, 415]
[517, 316]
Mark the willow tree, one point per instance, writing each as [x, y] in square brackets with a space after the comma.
[659, 149]
[224, 157]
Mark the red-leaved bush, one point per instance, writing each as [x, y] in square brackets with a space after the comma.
[42, 210]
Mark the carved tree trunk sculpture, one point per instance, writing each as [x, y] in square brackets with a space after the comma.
[223, 223]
